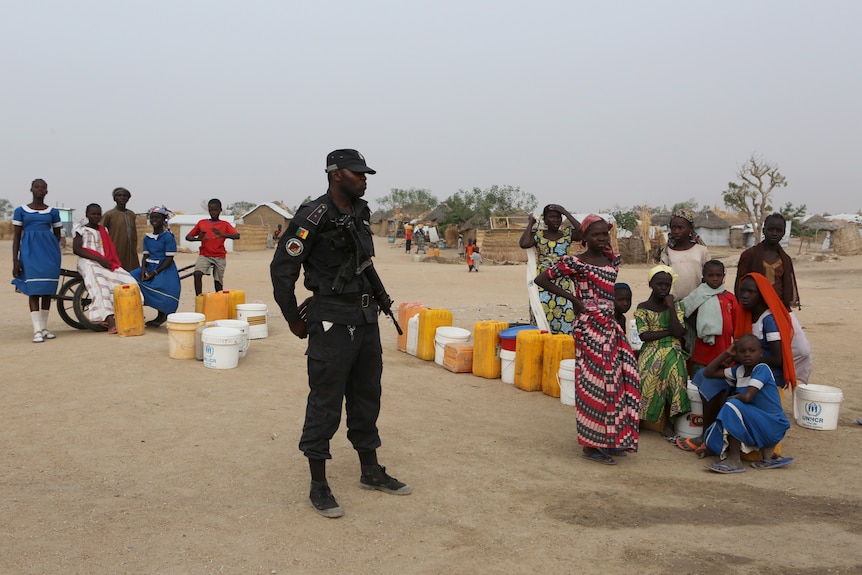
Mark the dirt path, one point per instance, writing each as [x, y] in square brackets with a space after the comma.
[116, 459]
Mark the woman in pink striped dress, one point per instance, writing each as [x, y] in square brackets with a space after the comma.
[606, 375]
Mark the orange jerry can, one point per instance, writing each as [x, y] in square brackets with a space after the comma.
[406, 310]
[216, 305]
[486, 348]
[529, 353]
[458, 357]
[429, 320]
[557, 348]
[234, 297]
[128, 310]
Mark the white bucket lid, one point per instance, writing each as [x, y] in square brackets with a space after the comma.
[453, 332]
[234, 323]
[221, 335]
[812, 392]
[186, 317]
[251, 307]
[567, 365]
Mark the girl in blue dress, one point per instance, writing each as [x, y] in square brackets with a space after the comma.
[752, 417]
[158, 277]
[36, 256]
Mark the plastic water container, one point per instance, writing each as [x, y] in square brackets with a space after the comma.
[128, 310]
[507, 366]
[243, 328]
[557, 348]
[215, 305]
[235, 297]
[528, 359]
[448, 334]
[508, 336]
[412, 334]
[486, 348]
[221, 347]
[255, 315]
[634, 336]
[181, 334]
[691, 424]
[817, 406]
[566, 375]
[429, 320]
[405, 312]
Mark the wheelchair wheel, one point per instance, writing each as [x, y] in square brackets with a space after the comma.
[82, 303]
[66, 303]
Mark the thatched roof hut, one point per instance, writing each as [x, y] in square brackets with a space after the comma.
[818, 223]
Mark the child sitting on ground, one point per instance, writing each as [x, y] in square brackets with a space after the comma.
[661, 363]
[714, 311]
[752, 417]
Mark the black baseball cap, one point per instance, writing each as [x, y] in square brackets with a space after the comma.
[347, 160]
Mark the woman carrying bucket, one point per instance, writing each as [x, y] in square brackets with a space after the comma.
[607, 387]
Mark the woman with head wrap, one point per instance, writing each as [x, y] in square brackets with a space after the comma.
[121, 225]
[661, 363]
[158, 276]
[550, 244]
[685, 253]
[607, 389]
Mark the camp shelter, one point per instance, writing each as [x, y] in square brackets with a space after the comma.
[712, 229]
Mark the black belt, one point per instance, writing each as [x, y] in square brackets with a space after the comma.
[355, 299]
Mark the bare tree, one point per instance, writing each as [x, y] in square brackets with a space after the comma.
[752, 194]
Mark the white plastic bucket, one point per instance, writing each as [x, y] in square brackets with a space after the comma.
[181, 334]
[221, 347]
[199, 344]
[690, 424]
[817, 406]
[255, 315]
[507, 366]
[243, 328]
[566, 379]
[412, 334]
[447, 334]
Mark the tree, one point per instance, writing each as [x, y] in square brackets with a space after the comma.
[6, 209]
[689, 205]
[752, 194]
[793, 214]
[240, 208]
[626, 220]
[412, 202]
[476, 206]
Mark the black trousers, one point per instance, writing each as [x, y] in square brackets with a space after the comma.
[345, 364]
[408, 242]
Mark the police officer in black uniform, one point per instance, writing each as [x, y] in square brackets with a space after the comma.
[345, 358]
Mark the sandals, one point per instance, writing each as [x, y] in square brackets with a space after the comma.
[600, 457]
[613, 451]
[772, 463]
[686, 444]
[112, 330]
[37, 337]
[154, 323]
[48, 335]
[724, 468]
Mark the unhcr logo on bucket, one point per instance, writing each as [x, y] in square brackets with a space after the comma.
[812, 414]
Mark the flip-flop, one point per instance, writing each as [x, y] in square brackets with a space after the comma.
[772, 463]
[686, 444]
[600, 457]
[112, 330]
[614, 451]
[723, 468]
[671, 438]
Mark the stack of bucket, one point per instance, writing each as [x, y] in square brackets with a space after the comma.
[446, 335]
[508, 351]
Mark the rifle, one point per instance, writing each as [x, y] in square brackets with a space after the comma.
[360, 263]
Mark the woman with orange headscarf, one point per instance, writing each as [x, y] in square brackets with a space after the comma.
[607, 387]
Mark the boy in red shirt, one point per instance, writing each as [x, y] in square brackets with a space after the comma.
[211, 234]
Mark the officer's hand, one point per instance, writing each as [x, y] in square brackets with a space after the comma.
[299, 328]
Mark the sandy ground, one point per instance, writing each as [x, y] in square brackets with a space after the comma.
[116, 459]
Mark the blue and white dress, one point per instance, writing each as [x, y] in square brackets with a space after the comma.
[39, 252]
[759, 423]
[163, 291]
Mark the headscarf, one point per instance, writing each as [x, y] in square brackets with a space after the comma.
[663, 268]
[161, 210]
[621, 285]
[782, 320]
[590, 220]
[117, 190]
[687, 216]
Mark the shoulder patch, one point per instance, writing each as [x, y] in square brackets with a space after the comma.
[314, 217]
[293, 247]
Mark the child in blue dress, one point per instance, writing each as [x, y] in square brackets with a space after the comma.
[36, 256]
[158, 277]
[752, 417]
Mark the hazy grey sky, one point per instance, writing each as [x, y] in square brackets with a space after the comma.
[587, 104]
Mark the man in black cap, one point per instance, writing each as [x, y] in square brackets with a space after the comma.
[345, 358]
